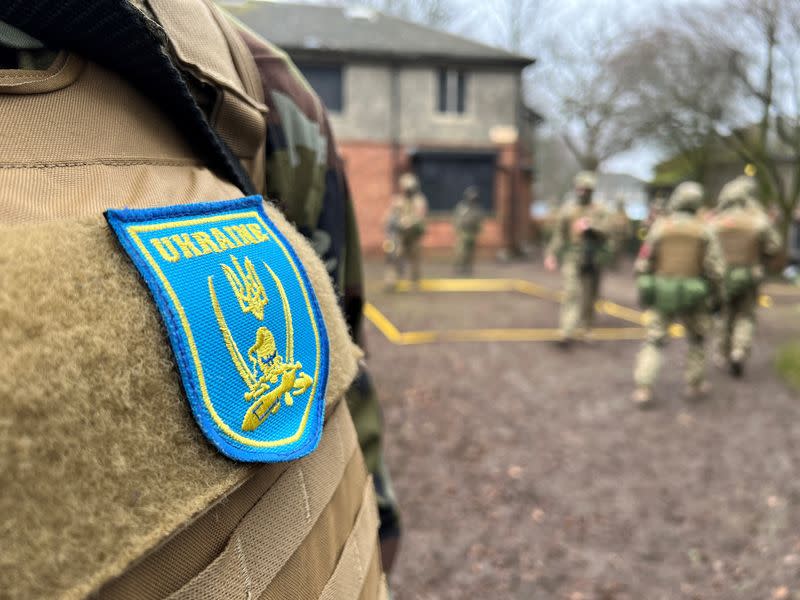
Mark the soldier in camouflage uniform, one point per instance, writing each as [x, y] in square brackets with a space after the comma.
[748, 240]
[579, 245]
[679, 275]
[467, 221]
[405, 225]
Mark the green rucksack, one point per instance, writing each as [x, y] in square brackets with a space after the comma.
[679, 295]
[646, 285]
[739, 281]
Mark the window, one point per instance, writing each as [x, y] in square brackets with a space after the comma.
[327, 82]
[452, 91]
[445, 174]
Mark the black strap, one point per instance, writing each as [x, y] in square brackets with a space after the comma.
[115, 34]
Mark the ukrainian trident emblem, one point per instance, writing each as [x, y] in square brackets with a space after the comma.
[271, 379]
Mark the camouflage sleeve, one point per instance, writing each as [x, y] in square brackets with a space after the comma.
[603, 222]
[714, 265]
[421, 207]
[306, 180]
[645, 260]
[771, 240]
[558, 239]
[458, 216]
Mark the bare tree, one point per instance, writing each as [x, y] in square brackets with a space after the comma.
[588, 107]
[433, 13]
[513, 24]
[659, 70]
[556, 166]
[722, 79]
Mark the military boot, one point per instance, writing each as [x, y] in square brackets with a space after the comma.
[697, 391]
[642, 396]
[720, 361]
[736, 365]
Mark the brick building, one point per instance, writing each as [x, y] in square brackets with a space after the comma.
[406, 97]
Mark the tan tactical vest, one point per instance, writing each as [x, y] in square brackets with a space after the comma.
[681, 248]
[739, 236]
[109, 488]
[590, 211]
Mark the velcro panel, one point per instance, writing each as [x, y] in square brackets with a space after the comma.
[100, 458]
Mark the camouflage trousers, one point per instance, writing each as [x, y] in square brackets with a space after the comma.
[735, 327]
[409, 254]
[648, 362]
[362, 400]
[580, 294]
[465, 252]
[617, 249]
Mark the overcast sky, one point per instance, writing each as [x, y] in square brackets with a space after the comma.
[571, 22]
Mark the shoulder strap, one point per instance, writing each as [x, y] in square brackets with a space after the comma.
[120, 37]
[207, 48]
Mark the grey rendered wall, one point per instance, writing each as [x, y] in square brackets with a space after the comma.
[492, 100]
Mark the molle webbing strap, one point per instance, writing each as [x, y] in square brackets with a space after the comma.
[375, 587]
[680, 249]
[358, 554]
[278, 535]
[739, 239]
[118, 36]
[192, 549]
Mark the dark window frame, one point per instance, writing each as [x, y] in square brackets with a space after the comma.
[477, 167]
[451, 91]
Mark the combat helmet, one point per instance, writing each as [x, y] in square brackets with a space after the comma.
[471, 194]
[408, 183]
[585, 180]
[687, 197]
[736, 193]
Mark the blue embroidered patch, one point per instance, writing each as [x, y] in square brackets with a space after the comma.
[243, 320]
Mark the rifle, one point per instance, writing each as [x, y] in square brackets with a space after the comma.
[391, 245]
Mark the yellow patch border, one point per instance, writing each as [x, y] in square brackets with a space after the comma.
[134, 230]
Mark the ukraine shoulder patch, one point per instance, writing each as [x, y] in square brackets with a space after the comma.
[243, 321]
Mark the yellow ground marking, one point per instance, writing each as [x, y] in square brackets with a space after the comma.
[407, 338]
[380, 321]
[517, 334]
[515, 285]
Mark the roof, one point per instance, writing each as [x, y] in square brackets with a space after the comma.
[335, 31]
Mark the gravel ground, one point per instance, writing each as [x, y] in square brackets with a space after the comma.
[524, 472]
